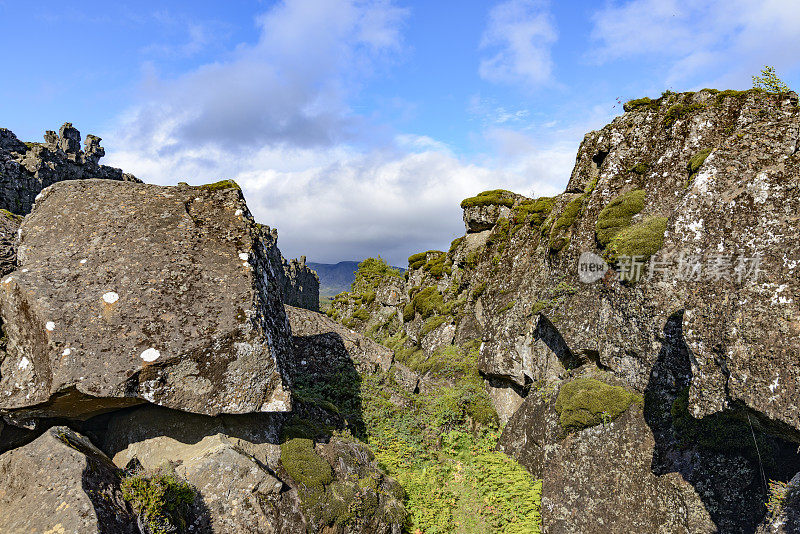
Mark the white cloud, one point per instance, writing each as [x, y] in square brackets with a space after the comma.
[271, 118]
[724, 41]
[518, 37]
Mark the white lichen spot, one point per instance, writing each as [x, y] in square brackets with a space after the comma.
[24, 363]
[697, 228]
[110, 297]
[19, 233]
[238, 212]
[25, 270]
[774, 384]
[244, 256]
[50, 326]
[303, 362]
[67, 352]
[82, 261]
[150, 355]
[37, 197]
[8, 280]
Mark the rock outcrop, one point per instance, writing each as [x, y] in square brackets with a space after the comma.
[298, 283]
[693, 199]
[27, 168]
[128, 293]
[59, 483]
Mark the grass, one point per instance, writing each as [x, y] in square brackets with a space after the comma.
[499, 197]
[160, 497]
[587, 402]
[618, 214]
[222, 184]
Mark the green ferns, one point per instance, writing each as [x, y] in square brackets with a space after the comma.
[499, 197]
[586, 402]
[642, 239]
[160, 498]
[618, 214]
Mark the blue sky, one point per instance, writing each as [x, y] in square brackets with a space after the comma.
[356, 126]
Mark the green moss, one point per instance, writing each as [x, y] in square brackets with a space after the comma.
[507, 307]
[432, 323]
[642, 239]
[454, 244]
[222, 184]
[478, 291]
[8, 215]
[679, 111]
[299, 427]
[533, 211]
[161, 498]
[427, 302]
[640, 104]
[640, 168]
[617, 215]
[586, 402]
[499, 197]
[558, 238]
[591, 185]
[304, 465]
[438, 265]
[697, 161]
[361, 314]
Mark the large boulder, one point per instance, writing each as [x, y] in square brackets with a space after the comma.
[61, 483]
[128, 293]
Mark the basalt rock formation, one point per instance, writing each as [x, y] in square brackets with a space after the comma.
[149, 358]
[667, 269]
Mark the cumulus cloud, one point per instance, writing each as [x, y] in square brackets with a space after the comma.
[722, 41]
[518, 38]
[272, 115]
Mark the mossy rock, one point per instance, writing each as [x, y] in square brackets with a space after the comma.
[573, 210]
[697, 161]
[642, 239]
[304, 465]
[499, 197]
[222, 184]
[432, 323]
[587, 402]
[161, 498]
[534, 211]
[679, 111]
[640, 168]
[618, 214]
[640, 104]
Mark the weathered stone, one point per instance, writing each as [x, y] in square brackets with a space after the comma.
[27, 168]
[62, 483]
[785, 519]
[298, 283]
[312, 329]
[9, 225]
[128, 292]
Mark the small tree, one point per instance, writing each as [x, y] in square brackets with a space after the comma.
[769, 81]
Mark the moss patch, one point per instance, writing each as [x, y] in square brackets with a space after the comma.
[432, 323]
[499, 197]
[304, 465]
[679, 111]
[222, 184]
[697, 161]
[558, 238]
[534, 212]
[617, 215]
[586, 402]
[642, 239]
[640, 104]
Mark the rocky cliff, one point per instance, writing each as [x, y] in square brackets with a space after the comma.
[639, 332]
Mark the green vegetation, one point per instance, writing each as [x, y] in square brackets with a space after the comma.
[641, 104]
[499, 197]
[640, 168]
[642, 239]
[618, 214]
[478, 291]
[697, 161]
[534, 212]
[769, 81]
[8, 215]
[415, 261]
[777, 496]
[361, 314]
[222, 184]
[371, 272]
[677, 112]
[439, 265]
[307, 468]
[440, 445]
[161, 498]
[558, 239]
[587, 402]
[454, 244]
[427, 302]
[432, 324]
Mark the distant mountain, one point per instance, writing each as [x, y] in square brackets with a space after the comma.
[336, 277]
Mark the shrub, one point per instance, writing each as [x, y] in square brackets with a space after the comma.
[618, 214]
[587, 402]
[769, 81]
[500, 197]
[642, 239]
[160, 498]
